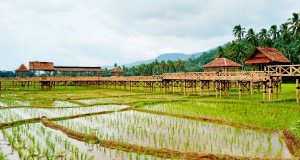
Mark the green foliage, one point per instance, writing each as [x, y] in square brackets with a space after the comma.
[285, 38]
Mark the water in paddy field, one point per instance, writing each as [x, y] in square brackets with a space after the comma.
[133, 127]
[181, 134]
[64, 104]
[56, 145]
[13, 103]
[15, 114]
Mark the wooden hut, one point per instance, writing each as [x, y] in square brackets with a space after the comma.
[22, 71]
[222, 65]
[77, 71]
[263, 56]
[41, 68]
[117, 71]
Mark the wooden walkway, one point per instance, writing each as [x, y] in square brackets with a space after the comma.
[220, 83]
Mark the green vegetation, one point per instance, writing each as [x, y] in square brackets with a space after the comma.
[170, 128]
[285, 38]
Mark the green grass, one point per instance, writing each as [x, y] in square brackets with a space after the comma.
[281, 113]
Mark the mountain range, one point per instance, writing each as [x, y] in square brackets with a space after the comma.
[163, 57]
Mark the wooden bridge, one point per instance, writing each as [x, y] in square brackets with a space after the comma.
[220, 82]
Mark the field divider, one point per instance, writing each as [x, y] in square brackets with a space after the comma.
[127, 147]
[291, 142]
[207, 119]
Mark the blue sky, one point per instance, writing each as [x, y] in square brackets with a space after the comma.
[102, 32]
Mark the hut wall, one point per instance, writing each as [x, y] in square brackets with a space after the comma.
[222, 69]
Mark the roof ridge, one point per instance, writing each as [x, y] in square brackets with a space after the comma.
[225, 61]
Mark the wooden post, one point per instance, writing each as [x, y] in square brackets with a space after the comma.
[65, 85]
[297, 90]
[173, 87]
[184, 87]
[270, 90]
[200, 83]
[264, 91]
[251, 87]
[216, 88]
[240, 90]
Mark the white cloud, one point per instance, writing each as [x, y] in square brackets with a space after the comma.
[100, 32]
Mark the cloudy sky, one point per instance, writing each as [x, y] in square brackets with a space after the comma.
[101, 32]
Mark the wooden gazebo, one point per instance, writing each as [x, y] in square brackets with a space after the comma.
[41, 68]
[263, 56]
[77, 71]
[117, 71]
[222, 65]
[22, 71]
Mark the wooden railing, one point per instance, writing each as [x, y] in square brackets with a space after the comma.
[284, 70]
[249, 76]
[278, 70]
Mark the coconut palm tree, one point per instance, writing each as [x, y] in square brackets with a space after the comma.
[273, 32]
[295, 24]
[263, 34]
[284, 31]
[238, 32]
[251, 37]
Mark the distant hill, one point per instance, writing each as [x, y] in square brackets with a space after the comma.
[166, 57]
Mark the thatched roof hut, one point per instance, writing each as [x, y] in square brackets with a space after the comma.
[22, 68]
[222, 65]
[263, 56]
[41, 66]
[117, 70]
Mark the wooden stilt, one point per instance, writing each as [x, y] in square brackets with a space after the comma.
[240, 90]
[297, 90]
[270, 90]
[200, 83]
[251, 87]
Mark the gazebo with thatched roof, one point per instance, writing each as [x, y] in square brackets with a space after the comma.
[222, 65]
[263, 56]
[117, 71]
[22, 71]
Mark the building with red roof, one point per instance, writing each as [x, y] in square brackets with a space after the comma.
[222, 65]
[117, 71]
[263, 56]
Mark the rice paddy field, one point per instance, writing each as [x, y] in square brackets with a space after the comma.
[90, 123]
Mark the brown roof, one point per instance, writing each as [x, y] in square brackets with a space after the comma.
[77, 69]
[222, 62]
[22, 68]
[271, 55]
[116, 70]
[43, 66]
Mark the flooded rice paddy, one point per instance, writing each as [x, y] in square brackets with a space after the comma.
[36, 141]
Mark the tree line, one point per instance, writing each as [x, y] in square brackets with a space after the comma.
[285, 38]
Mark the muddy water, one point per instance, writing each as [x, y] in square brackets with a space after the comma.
[181, 134]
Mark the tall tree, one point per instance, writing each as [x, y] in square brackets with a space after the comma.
[273, 32]
[251, 37]
[284, 31]
[295, 24]
[238, 32]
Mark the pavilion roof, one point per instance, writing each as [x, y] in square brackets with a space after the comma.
[42, 66]
[116, 70]
[22, 68]
[221, 62]
[271, 55]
